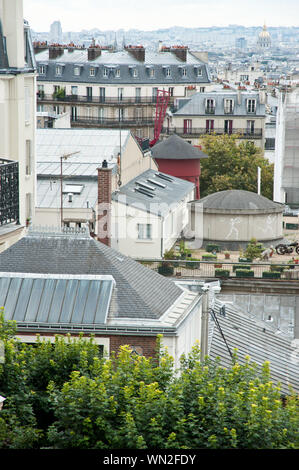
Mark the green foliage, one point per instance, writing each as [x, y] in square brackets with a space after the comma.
[59, 94]
[65, 395]
[221, 272]
[233, 166]
[253, 249]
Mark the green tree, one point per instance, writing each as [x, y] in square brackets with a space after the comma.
[233, 165]
[65, 395]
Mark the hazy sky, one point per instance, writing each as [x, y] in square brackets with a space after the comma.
[76, 15]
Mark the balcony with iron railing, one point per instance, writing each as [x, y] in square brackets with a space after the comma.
[210, 110]
[103, 100]
[111, 122]
[198, 131]
[9, 192]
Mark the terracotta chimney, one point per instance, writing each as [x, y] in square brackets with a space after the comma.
[55, 51]
[104, 203]
[138, 52]
[93, 52]
[180, 52]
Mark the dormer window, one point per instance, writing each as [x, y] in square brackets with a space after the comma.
[210, 106]
[199, 72]
[117, 73]
[92, 72]
[58, 70]
[152, 73]
[135, 73]
[105, 72]
[184, 72]
[228, 106]
[251, 106]
[42, 69]
[76, 71]
[168, 72]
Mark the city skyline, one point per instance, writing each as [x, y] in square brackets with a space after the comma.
[75, 15]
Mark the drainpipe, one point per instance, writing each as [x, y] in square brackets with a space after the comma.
[204, 323]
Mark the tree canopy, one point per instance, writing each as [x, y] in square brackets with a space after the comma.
[233, 165]
[64, 395]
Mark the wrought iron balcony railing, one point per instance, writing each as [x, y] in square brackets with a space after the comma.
[105, 100]
[110, 122]
[196, 131]
[9, 192]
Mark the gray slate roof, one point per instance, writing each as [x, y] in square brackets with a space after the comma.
[157, 200]
[261, 344]
[237, 199]
[195, 106]
[124, 61]
[176, 148]
[140, 293]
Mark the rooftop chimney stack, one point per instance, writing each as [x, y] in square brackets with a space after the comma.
[180, 52]
[55, 51]
[138, 52]
[94, 51]
[104, 203]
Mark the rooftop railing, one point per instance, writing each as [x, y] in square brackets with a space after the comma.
[222, 270]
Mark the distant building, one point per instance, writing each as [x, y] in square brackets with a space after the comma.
[17, 122]
[264, 39]
[241, 44]
[56, 32]
[106, 89]
[286, 167]
[227, 111]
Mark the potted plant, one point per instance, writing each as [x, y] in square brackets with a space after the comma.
[244, 273]
[28, 220]
[209, 257]
[192, 263]
[271, 274]
[221, 272]
[227, 255]
[165, 268]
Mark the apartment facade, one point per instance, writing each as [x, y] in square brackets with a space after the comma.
[229, 111]
[17, 121]
[100, 87]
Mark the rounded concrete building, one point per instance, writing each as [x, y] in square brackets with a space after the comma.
[231, 218]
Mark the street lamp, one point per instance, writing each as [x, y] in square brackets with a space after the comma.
[63, 157]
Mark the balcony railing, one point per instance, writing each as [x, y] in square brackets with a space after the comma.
[222, 270]
[9, 192]
[210, 110]
[117, 101]
[110, 122]
[197, 131]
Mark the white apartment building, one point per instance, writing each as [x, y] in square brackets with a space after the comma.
[286, 166]
[225, 111]
[17, 121]
[104, 88]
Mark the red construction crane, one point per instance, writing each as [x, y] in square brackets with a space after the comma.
[161, 107]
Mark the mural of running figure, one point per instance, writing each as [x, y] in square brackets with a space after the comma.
[233, 228]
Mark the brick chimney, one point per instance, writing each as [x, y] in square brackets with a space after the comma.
[55, 50]
[104, 204]
[93, 52]
[180, 52]
[138, 52]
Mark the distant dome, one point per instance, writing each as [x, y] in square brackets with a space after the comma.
[239, 200]
[264, 38]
